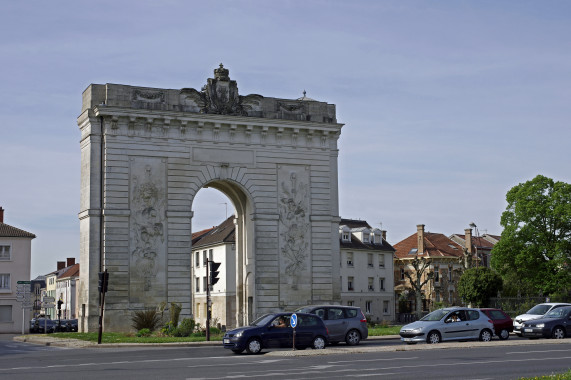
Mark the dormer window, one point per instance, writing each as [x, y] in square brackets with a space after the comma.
[376, 237]
[365, 237]
[346, 236]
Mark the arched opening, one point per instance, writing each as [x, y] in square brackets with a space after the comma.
[222, 231]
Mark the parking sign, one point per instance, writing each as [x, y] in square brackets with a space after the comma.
[293, 320]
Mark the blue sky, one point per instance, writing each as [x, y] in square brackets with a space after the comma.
[446, 104]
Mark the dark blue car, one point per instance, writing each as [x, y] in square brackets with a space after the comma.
[274, 330]
[555, 324]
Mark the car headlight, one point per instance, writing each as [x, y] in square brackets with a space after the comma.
[540, 325]
[417, 330]
[238, 335]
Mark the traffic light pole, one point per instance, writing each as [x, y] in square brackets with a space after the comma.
[208, 264]
[103, 290]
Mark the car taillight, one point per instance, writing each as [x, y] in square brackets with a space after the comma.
[327, 330]
[363, 319]
[489, 320]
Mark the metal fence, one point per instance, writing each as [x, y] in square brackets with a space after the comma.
[519, 305]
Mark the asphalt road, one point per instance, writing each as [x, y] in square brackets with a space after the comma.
[467, 360]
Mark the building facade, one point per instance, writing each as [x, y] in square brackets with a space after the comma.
[366, 269]
[15, 261]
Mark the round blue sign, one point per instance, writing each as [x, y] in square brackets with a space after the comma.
[293, 320]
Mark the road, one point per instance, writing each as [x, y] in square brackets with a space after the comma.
[467, 360]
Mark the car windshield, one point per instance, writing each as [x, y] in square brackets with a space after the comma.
[557, 313]
[303, 310]
[263, 320]
[435, 315]
[538, 309]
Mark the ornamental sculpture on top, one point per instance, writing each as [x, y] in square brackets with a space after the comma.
[220, 96]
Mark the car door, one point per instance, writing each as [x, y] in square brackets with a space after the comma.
[305, 330]
[336, 323]
[275, 336]
[454, 326]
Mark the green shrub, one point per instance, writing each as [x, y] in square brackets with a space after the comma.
[185, 328]
[175, 313]
[146, 319]
[144, 332]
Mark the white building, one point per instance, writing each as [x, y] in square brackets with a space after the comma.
[218, 245]
[366, 270]
[15, 260]
[66, 292]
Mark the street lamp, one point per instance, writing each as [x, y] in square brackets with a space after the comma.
[473, 225]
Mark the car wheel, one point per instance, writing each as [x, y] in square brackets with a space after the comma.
[504, 334]
[254, 346]
[318, 343]
[558, 333]
[353, 338]
[433, 337]
[485, 335]
[237, 351]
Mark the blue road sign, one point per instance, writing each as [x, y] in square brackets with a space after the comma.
[293, 320]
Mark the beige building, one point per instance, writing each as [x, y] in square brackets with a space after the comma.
[15, 260]
[366, 270]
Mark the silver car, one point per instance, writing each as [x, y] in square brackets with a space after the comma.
[535, 312]
[344, 323]
[456, 323]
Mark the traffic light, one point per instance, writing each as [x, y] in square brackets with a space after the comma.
[59, 303]
[103, 281]
[214, 272]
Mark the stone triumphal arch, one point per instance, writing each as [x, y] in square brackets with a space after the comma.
[146, 152]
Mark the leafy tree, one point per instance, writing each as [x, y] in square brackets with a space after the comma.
[535, 247]
[417, 279]
[477, 285]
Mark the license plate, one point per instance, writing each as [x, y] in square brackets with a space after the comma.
[226, 341]
[528, 330]
[408, 339]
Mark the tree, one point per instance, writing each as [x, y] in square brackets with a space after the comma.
[417, 279]
[535, 246]
[477, 285]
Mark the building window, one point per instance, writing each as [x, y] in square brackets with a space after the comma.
[345, 236]
[204, 284]
[365, 237]
[350, 283]
[197, 284]
[4, 252]
[386, 307]
[381, 261]
[450, 273]
[204, 258]
[381, 284]
[368, 307]
[402, 274]
[5, 313]
[349, 259]
[350, 303]
[4, 281]
[197, 260]
[436, 274]
[370, 260]
[371, 285]
[438, 296]
[210, 255]
[197, 311]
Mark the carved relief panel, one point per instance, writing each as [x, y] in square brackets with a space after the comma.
[294, 228]
[147, 232]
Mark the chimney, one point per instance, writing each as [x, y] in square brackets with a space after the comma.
[70, 261]
[1, 215]
[468, 239]
[420, 238]
[60, 265]
[384, 234]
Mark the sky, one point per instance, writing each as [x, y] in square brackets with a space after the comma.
[446, 105]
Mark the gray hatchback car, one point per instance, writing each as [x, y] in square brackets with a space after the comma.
[457, 323]
[345, 323]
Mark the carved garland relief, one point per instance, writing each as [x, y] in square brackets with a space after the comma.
[147, 227]
[294, 226]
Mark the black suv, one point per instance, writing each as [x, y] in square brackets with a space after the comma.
[345, 323]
